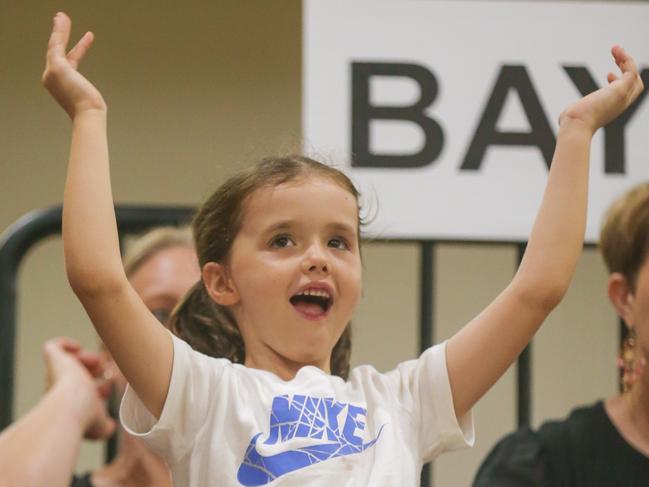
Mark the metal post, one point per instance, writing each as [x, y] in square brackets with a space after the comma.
[14, 244]
[524, 374]
[426, 332]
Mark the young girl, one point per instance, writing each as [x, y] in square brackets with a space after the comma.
[280, 258]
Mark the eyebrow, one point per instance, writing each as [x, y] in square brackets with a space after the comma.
[288, 224]
[342, 227]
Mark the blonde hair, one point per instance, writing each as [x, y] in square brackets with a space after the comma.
[624, 238]
[152, 242]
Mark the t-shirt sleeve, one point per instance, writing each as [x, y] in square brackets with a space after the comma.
[193, 377]
[518, 460]
[423, 388]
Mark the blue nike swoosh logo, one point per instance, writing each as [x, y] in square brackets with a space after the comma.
[257, 469]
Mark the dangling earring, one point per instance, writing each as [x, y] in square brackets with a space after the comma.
[626, 361]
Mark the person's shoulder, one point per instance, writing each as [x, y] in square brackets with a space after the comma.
[520, 445]
[431, 360]
[580, 421]
[517, 459]
[540, 457]
[186, 356]
[587, 414]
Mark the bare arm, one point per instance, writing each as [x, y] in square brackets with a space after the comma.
[142, 349]
[482, 350]
[26, 454]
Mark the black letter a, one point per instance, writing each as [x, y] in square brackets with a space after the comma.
[541, 136]
[614, 150]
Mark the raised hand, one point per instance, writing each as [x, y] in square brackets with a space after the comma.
[61, 76]
[604, 105]
[69, 365]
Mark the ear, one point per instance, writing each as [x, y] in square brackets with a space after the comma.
[621, 296]
[219, 285]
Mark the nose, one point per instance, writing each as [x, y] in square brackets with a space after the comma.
[315, 260]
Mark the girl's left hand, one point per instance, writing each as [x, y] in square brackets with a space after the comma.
[604, 105]
[62, 79]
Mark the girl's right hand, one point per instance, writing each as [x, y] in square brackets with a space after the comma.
[61, 78]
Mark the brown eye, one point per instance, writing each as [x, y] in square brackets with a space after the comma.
[339, 243]
[281, 241]
[162, 314]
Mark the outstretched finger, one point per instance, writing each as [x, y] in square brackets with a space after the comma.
[101, 429]
[65, 344]
[93, 363]
[60, 36]
[624, 60]
[630, 78]
[89, 359]
[77, 53]
[104, 388]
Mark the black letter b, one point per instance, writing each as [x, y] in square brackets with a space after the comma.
[363, 112]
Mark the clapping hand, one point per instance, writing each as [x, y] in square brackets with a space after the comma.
[84, 372]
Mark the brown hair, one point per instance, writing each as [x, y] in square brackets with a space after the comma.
[624, 238]
[207, 326]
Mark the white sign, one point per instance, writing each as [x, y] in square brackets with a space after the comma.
[450, 108]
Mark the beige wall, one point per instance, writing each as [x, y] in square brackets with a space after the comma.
[197, 88]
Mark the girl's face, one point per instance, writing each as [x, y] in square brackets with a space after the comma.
[295, 271]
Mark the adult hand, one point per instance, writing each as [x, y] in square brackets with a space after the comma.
[61, 76]
[84, 374]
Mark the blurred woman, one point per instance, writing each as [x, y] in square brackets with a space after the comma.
[42, 447]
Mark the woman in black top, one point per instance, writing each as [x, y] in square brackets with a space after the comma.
[606, 444]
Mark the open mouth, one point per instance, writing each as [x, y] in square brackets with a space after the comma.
[312, 303]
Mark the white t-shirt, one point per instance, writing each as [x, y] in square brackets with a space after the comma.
[224, 424]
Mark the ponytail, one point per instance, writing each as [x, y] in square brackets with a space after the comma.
[341, 354]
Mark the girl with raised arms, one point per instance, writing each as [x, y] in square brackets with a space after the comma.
[279, 251]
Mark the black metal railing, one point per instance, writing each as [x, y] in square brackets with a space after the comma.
[18, 239]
